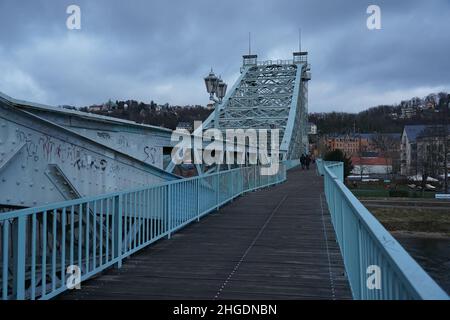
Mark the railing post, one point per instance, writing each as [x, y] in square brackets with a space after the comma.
[232, 186]
[241, 187]
[361, 270]
[118, 229]
[254, 185]
[218, 190]
[169, 211]
[19, 251]
[198, 199]
[342, 213]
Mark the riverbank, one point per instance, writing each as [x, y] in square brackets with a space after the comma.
[433, 255]
[423, 229]
[420, 235]
[424, 222]
[422, 217]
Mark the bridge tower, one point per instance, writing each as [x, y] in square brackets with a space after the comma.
[269, 95]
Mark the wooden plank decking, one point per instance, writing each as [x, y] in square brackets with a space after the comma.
[276, 243]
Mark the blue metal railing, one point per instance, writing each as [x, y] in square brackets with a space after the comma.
[365, 243]
[291, 164]
[37, 245]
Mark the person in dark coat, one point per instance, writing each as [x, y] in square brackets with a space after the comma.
[307, 161]
[303, 161]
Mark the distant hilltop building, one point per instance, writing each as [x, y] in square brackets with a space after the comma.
[408, 111]
[312, 128]
[68, 107]
[108, 106]
[411, 108]
[95, 108]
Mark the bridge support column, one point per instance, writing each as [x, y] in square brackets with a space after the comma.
[117, 232]
[19, 252]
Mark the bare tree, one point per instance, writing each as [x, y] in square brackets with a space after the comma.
[322, 146]
[362, 167]
[389, 149]
[431, 152]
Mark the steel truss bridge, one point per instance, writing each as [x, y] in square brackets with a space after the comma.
[270, 95]
[91, 193]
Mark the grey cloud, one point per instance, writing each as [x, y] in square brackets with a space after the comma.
[160, 50]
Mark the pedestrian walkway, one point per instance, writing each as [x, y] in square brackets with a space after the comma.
[276, 243]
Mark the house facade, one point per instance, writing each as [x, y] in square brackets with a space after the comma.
[350, 144]
[422, 149]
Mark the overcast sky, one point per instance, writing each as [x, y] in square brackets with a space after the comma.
[160, 50]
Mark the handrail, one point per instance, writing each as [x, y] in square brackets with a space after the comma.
[275, 62]
[37, 245]
[291, 164]
[367, 248]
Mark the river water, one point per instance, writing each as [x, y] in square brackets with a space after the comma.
[432, 254]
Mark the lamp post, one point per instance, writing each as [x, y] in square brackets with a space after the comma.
[215, 86]
[221, 89]
[211, 82]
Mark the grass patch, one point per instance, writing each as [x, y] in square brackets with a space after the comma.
[371, 193]
[380, 191]
[414, 220]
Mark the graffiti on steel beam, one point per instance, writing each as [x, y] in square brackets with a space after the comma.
[48, 149]
[150, 153]
[104, 135]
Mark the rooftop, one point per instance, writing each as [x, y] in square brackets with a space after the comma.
[371, 161]
[417, 131]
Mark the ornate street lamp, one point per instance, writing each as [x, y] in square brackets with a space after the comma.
[211, 82]
[215, 86]
[221, 89]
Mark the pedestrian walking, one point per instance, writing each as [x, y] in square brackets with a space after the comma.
[303, 161]
[307, 161]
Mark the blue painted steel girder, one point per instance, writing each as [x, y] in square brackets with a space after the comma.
[269, 95]
[42, 162]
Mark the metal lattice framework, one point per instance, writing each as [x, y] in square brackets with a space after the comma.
[269, 95]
